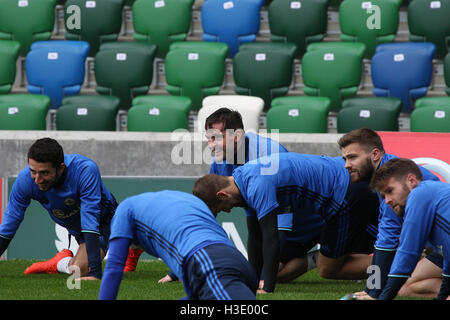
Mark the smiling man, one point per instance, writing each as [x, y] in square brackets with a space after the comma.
[70, 188]
[425, 207]
[230, 147]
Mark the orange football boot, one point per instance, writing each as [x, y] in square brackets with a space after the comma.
[49, 266]
[132, 259]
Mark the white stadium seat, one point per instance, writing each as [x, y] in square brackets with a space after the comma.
[248, 106]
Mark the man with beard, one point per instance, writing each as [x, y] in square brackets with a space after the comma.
[425, 206]
[324, 204]
[363, 152]
[70, 188]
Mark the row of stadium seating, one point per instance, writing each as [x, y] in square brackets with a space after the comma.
[250, 82]
[232, 22]
[196, 69]
[168, 113]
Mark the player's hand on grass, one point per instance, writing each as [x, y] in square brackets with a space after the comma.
[362, 296]
[260, 288]
[89, 278]
[165, 279]
[261, 291]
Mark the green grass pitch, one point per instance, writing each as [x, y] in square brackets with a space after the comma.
[143, 285]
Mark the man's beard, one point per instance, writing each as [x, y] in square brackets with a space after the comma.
[366, 172]
[401, 211]
[50, 184]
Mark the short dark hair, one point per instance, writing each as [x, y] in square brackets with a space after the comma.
[207, 187]
[46, 150]
[230, 118]
[367, 138]
[396, 168]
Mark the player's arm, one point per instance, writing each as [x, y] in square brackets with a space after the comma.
[18, 202]
[117, 256]
[254, 244]
[4, 243]
[270, 249]
[389, 229]
[90, 196]
[444, 291]
[383, 259]
[416, 229]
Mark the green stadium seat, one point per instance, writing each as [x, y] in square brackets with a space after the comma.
[333, 70]
[432, 102]
[357, 24]
[431, 119]
[299, 114]
[357, 47]
[428, 21]
[88, 113]
[195, 69]
[9, 51]
[263, 70]
[377, 113]
[447, 73]
[124, 70]
[162, 22]
[26, 21]
[159, 113]
[100, 21]
[299, 22]
[23, 111]
[334, 3]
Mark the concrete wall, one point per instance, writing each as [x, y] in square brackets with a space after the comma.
[142, 154]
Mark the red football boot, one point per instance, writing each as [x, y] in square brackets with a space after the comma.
[132, 259]
[49, 266]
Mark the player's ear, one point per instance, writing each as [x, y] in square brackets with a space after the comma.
[376, 154]
[61, 168]
[238, 135]
[222, 194]
[412, 180]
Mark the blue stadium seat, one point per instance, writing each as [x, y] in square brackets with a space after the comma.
[56, 68]
[403, 70]
[230, 21]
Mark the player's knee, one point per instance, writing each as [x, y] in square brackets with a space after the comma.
[404, 291]
[327, 271]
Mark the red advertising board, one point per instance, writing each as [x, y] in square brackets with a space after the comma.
[435, 147]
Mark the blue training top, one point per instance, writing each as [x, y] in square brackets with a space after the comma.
[427, 218]
[78, 204]
[390, 225]
[256, 146]
[171, 225]
[312, 187]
